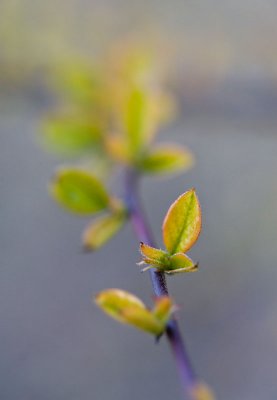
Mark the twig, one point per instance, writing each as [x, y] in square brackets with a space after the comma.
[187, 375]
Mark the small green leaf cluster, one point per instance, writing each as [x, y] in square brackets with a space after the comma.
[114, 110]
[181, 228]
[110, 116]
[81, 193]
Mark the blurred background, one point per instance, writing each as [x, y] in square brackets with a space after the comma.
[55, 344]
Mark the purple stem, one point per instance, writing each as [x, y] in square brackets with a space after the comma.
[187, 375]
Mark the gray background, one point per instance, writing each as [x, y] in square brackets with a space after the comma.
[55, 344]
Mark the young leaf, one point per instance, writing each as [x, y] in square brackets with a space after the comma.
[114, 301]
[166, 159]
[161, 313]
[70, 136]
[180, 263]
[182, 223]
[135, 118]
[170, 264]
[181, 260]
[79, 192]
[144, 320]
[103, 229]
[151, 253]
[128, 309]
[163, 309]
[155, 258]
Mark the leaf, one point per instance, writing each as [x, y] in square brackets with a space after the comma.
[201, 391]
[180, 263]
[166, 159]
[128, 309]
[114, 301]
[144, 320]
[181, 260]
[182, 223]
[135, 118]
[170, 264]
[70, 136]
[102, 230]
[79, 192]
[163, 309]
[155, 258]
[152, 253]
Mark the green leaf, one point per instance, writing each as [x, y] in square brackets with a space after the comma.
[151, 253]
[135, 118]
[102, 230]
[79, 192]
[70, 136]
[166, 159]
[113, 301]
[144, 320]
[154, 258]
[170, 264]
[128, 309]
[179, 263]
[182, 223]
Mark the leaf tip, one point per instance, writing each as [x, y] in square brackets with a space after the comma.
[142, 246]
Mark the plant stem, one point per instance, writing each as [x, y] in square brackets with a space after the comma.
[187, 375]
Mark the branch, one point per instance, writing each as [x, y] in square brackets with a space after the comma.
[187, 375]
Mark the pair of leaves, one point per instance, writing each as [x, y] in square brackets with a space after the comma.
[181, 228]
[83, 194]
[128, 309]
[160, 160]
[164, 262]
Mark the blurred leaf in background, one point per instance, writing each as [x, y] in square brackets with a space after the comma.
[128, 309]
